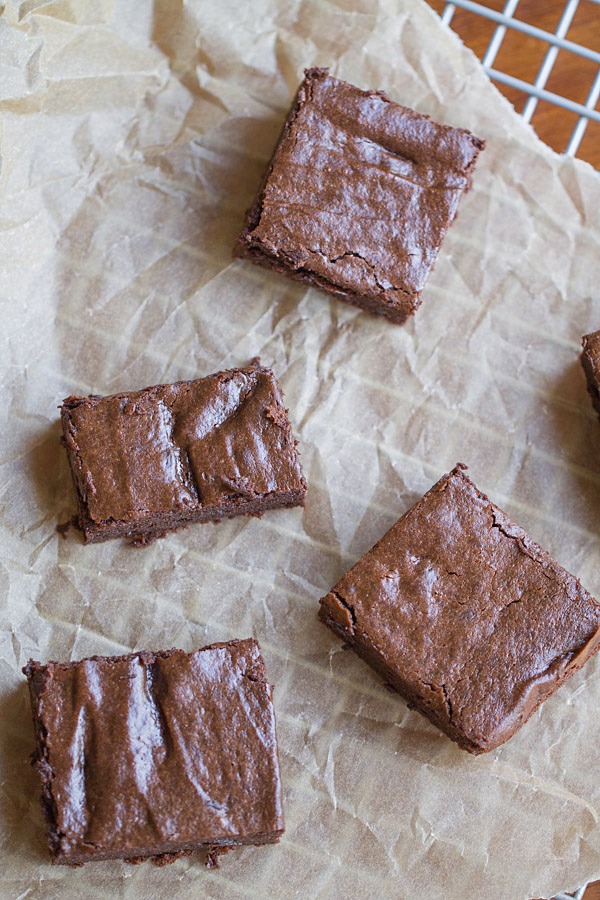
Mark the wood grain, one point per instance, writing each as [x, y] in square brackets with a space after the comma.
[571, 76]
[522, 56]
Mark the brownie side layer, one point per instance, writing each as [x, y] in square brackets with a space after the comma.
[156, 754]
[358, 195]
[464, 615]
[147, 462]
[590, 360]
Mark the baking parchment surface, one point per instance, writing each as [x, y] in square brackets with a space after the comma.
[133, 138]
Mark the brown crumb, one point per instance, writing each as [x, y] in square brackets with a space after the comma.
[212, 856]
[144, 540]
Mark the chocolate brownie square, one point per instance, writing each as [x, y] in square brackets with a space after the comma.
[464, 615]
[147, 462]
[358, 195]
[156, 755]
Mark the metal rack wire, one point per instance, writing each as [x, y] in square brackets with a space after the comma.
[556, 41]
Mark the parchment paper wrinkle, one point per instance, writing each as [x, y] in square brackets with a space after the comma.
[133, 137]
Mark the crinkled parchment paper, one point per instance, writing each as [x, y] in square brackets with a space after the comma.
[133, 137]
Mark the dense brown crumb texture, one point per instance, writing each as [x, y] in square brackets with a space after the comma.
[147, 462]
[464, 615]
[156, 754]
[590, 360]
[358, 195]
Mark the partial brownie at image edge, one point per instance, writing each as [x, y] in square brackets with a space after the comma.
[358, 196]
[156, 754]
[148, 462]
[464, 615]
[590, 360]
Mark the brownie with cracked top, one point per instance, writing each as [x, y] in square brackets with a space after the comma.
[460, 611]
[358, 195]
[590, 360]
[147, 462]
[156, 755]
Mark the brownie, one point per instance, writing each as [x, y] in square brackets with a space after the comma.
[464, 615]
[156, 755]
[358, 195]
[147, 462]
[590, 360]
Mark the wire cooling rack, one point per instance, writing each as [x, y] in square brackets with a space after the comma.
[506, 21]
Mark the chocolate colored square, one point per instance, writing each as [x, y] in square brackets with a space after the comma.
[464, 615]
[590, 360]
[147, 462]
[358, 195]
[156, 754]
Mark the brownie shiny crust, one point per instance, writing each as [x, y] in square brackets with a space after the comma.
[147, 462]
[464, 615]
[358, 195]
[156, 754]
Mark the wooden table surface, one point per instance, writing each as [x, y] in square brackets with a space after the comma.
[571, 77]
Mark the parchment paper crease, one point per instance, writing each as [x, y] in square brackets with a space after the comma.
[133, 137]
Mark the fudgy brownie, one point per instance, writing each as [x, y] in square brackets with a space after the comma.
[156, 754]
[590, 360]
[464, 615]
[147, 462]
[358, 195]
